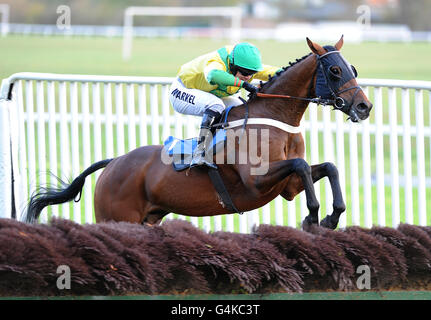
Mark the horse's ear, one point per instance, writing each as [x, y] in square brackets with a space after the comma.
[339, 44]
[316, 48]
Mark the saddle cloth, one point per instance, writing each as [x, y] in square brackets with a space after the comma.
[182, 151]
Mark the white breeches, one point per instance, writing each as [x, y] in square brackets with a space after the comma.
[195, 102]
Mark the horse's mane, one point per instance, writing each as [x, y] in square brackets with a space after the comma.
[273, 78]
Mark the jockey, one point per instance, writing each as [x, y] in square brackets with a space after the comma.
[208, 84]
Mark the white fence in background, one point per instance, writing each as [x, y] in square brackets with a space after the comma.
[63, 123]
[318, 31]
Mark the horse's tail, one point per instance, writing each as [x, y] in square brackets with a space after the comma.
[50, 196]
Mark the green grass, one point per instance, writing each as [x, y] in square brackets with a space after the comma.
[162, 57]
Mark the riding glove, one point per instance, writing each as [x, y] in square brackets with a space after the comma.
[249, 87]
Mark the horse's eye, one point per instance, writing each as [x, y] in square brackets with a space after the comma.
[335, 73]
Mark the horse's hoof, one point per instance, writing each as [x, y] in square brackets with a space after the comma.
[308, 223]
[328, 223]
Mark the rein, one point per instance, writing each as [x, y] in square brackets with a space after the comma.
[336, 100]
[317, 100]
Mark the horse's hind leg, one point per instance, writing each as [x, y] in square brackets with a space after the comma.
[279, 171]
[111, 205]
[318, 172]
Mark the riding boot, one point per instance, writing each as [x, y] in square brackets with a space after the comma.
[204, 141]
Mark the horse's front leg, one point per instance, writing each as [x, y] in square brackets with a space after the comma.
[277, 172]
[318, 172]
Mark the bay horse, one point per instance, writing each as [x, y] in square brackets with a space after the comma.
[139, 187]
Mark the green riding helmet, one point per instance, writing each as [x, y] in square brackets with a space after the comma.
[247, 56]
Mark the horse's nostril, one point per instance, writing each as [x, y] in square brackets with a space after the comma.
[363, 110]
[362, 107]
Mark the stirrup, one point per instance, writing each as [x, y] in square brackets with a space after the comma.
[199, 160]
[204, 163]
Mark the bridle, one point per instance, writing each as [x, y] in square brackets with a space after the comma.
[330, 96]
[333, 85]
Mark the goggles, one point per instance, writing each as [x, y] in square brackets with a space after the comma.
[245, 72]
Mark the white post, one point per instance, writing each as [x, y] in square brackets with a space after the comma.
[65, 140]
[19, 152]
[41, 143]
[86, 135]
[4, 28]
[218, 225]
[252, 220]
[131, 118]
[420, 149]
[74, 127]
[142, 101]
[31, 135]
[243, 222]
[279, 211]
[155, 124]
[107, 91]
[119, 118]
[407, 156]
[266, 214]
[230, 226]
[97, 126]
[5, 155]
[291, 212]
[354, 180]
[366, 162]
[394, 158]
[52, 128]
[429, 118]
[380, 167]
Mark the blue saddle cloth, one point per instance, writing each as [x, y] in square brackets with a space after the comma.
[182, 151]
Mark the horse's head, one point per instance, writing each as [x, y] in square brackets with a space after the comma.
[336, 81]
